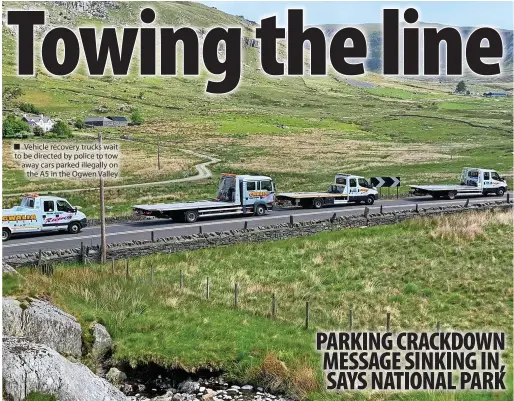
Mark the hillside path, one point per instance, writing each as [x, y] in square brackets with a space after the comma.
[202, 169]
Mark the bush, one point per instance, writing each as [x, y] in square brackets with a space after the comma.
[79, 123]
[61, 129]
[38, 131]
[29, 108]
[136, 118]
[14, 127]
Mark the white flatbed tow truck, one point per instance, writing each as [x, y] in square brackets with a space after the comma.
[347, 188]
[237, 195]
[474, 181]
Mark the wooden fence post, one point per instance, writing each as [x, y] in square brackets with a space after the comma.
[246, 225]
[467, 203]
[417, 208]
[127, 273]
[207, 289]
[381, 209]
[333, 218]
[388, 322]
[366, 212]
[181, 281]
[39, 257]
[112, 266]
[350, 319]
[273, 306]
[200, 230]
[307, 315]
[152, 236]
[151, 273]
[291, 220]
[438, 326]
[236, 303]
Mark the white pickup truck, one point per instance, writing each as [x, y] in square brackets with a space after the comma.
[41, 214]
[474, 181]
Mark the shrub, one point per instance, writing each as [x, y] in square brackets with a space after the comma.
[29, 108]
[61, 129]
[136, 118]
[79, 123]
[14, 127]
[38, 131]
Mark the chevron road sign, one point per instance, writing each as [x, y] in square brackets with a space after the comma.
[385, 182]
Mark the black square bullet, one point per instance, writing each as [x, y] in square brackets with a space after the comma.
[16, 146]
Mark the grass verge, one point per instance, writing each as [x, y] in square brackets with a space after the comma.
[456, 270]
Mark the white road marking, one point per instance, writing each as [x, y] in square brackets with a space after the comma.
[218, 222]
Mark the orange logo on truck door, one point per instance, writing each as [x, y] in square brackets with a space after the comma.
[20, 217]
[255, 194]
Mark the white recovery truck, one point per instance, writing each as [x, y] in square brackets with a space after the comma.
[237, 194]
[474, 181]
[347, 188]
[41, 214]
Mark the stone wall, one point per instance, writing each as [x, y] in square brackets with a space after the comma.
[277, 232]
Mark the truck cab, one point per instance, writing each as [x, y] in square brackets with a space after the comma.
[488, 181]
[356, 187]
[41, 214]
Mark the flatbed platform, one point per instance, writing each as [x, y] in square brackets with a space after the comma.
[164, 207]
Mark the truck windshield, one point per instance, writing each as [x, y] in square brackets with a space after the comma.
[226, 188]
[27, 202]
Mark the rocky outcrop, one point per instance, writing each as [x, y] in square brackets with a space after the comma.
[42, 323]
[30, 367]
[102, 343]
[11, 317]
[46, 324]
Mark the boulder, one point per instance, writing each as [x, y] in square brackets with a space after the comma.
[46, 324]
[11, 317]
[102, 343]
[188, 386]
[115, 376]
[30, 367]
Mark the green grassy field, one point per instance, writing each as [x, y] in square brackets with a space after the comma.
[453, 270]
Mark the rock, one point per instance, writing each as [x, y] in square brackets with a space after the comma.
[102, 343]
[11, 317]
[207, 397]
[30, 367]
[7, 269]
[247, 388]
[189, 387]
[115, 376]
[46, 324]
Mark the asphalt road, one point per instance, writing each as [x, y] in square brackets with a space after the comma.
[166, 228]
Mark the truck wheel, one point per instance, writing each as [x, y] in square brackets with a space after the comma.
[317, 203]
[74, 228]
[500, 191]
[6, 234]
[370, 200]
[191, 216]
[451, 195]
[260, 210]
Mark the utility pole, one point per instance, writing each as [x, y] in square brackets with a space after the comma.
[158, 155]
[103, 241]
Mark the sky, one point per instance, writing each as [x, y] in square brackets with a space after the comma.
[495, 14]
